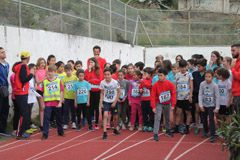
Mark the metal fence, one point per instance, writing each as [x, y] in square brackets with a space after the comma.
[116, 21]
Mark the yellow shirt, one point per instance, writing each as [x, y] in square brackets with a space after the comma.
[68, 83]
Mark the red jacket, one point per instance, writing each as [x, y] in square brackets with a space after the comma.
[93, 79]
[146, 85]
[114, 77]
[129, 77]
[165, 91]
[21, 85]
[236, 79]
[101, 62]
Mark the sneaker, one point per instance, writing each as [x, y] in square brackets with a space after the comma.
[131, 128]
[79, 128]
[116, 132]
[44, 137]
[23, 137]
[155, 137]
[175, 130]
[33, 130]
[84, 122]
[129, 124]
[204, 135]
[118, 128]
[163, 129]
[90, 128]
[53, 125]
[62, 134]
[123, 127]
[186, 131]
[212, 139]
[14, 133]
[6, 134]
[65, 127]
[33, 126]
[74, 125]
[41, 128]
[180, 128]
[104, 137]
[108, 126]
[169, 134]
[150, 129]
[29, 131]
[96, 127]
[139, 128]
[93, 119]
[144, 128]
[196, 130]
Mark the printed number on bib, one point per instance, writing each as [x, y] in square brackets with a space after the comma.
[122, 93]
[52, 87]
[146, 92]
[135, 92]
[109, 94]
[182, 86]
[82, 92]
[165, 96]
[222, 90]
[208, 100]
[69, 85]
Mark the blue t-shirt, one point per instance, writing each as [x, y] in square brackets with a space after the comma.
[215, 80]
[170, 77]
[213, 66]
[81, 89]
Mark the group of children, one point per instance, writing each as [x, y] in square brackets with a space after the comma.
[131, 95]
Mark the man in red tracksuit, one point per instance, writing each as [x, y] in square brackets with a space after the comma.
[96, 53]
[235, 68]
[145, 90]
[21, 87]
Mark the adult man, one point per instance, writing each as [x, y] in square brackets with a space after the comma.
[21, 87]
[4, 103]
[235, 68]
[96, 53]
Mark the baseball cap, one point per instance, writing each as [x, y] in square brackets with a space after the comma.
[25, 54]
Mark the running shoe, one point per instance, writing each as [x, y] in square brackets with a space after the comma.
[104, 137]
[163, 129]
[79, 128]
[212, 139]
[150, 129]
[62, 134]
[84, 122]
[196, 130]
[65, 127]
[108, 126]
[204, 135]
[169, 134]
[6, 134]
[90, 128]
[33, 126]
[116, 132]
[131, 128]
[123, 127]
[155, 137]
[144, 128]
[44, 137]
[29, 131]
[96, 127]
[23, 137]
[74, 125]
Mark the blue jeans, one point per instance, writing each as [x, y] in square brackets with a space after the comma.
[208, 112]
[47, 114]
[4, 110]
[69, 104]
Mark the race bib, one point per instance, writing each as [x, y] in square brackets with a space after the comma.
[165, 96]
[109, 94]
[208, 99]
[146, 92]
[222, 90]
[182, 86]
[135, 92]
[94, 86]
[52, 87]
[82, 91]
[69, 85]
[122, 93]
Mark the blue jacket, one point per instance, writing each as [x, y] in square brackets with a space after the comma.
[4, 70]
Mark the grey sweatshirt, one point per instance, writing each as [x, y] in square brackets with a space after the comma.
[124, 86]
[209, 95]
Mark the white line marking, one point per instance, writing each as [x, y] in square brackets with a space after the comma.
[68, 147]
[191, 149]
[173, 149]
[115, 145]
[9, 144]
[129, 147]
[58, 145]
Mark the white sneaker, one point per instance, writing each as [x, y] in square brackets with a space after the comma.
[65, 127]
[123, 127]
[118, 128]
[74, 125]
[129, 124]
[33, 126]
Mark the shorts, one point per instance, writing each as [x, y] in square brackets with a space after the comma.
[40, 92]
[195, 98]
[107, 107]
[224, 110]
[184, 104]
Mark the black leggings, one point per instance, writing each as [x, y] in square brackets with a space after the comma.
[94, 105]
[82, 108]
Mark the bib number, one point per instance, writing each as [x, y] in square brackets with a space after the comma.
[208, 100]
[52, 87]
[182, 87]
[165, 96]
[222, 91]
[135, 92]
[82, 92]
[122, 93]
[69, 85]
[146, 92]
[109, 94]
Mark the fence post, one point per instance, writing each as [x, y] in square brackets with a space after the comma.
[189, 27]
[20, 13]
[110, 24]
[125, 27]
[89, 19]
[61, 16]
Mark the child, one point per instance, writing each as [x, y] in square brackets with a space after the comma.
[78, 65]
[110, 93]
[139, 66]
[82, 99]
[53, 97]
[39, 77]
[163, 97]
[107, 65]
[71, 62]
[68, 83]
[123, 102]
[184, 88]
[114, 69]
[155, 77]
[130, 70]
[159, 58]
[117, 62]
[145, 90]
[124, 68]
[227, 61]
[191, 66]
[134, 98]
[209, 103]
[60, 70]
[225, 94]
[51, 60]
[215, 60]
[215, 79]
[94, 76]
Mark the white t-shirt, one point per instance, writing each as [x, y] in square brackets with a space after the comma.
[31, 93]
[110, 90]
[224, 87]
[183, 85]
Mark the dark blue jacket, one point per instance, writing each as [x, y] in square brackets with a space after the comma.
[197, 79]
[4, 70]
